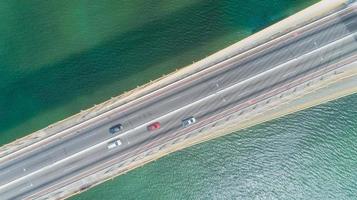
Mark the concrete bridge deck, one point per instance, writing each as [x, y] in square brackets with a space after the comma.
[228, 92]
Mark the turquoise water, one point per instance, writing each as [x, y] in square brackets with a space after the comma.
[307, 155]
[58, 57]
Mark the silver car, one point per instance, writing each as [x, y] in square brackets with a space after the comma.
[188, 121]
[114, 144]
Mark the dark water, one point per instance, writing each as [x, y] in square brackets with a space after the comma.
[58, 57]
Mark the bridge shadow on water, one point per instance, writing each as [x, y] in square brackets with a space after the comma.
[121, 58]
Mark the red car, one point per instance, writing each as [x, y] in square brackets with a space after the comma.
[154, 126]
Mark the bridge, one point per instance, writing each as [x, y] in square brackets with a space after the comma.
[212, 96]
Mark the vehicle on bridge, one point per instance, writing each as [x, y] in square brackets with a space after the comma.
[154, 126]
[116, 128]
[188, 121]
[114, 144]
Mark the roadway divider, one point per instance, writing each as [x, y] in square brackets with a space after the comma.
[255, 42]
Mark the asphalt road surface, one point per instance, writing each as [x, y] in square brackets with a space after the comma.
[204, 96]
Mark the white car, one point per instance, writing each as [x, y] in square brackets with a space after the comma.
[114, 144]
[188, 121]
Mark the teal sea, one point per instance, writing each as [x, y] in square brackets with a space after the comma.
[59, 57]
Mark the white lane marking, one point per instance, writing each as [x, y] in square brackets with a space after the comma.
[84, 123]
[175, 111]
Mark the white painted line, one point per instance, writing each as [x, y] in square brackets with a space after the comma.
[173, 112]
[84, 123]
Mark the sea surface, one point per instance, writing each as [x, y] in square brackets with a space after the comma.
[60, 57]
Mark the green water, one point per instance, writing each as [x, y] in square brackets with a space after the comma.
[307, 155]
[58, 57]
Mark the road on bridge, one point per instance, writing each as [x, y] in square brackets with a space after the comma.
[235, 81]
